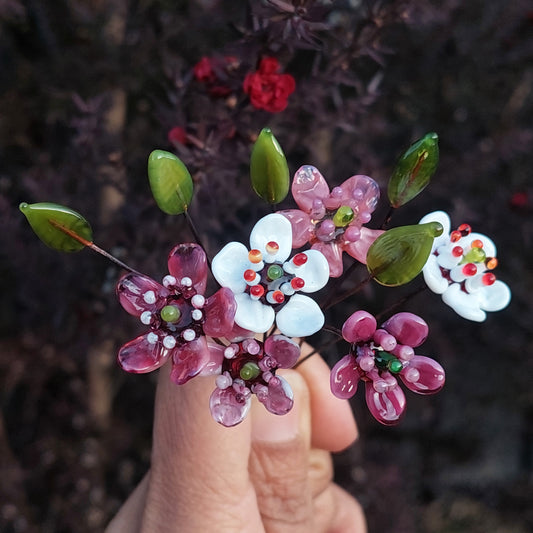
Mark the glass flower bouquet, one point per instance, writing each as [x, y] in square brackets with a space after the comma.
[274, 292]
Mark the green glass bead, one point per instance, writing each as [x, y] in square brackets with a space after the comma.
[475, 255]
[343, 216]
[170, 313]
[274, 272]
[249, 371]
[395, 366]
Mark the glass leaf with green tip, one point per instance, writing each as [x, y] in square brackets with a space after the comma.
[170, 182]
[414, 170]
[269, 171]
[399, 254]
[58, 226]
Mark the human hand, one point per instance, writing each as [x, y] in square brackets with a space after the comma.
[269, 474]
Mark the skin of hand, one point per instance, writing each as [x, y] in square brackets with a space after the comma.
[269, 474]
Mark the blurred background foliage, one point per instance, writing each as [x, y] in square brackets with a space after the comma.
[89, 88]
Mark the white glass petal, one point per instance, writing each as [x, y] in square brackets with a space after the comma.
[252, 314]
[488, 245]
[494, 297]
[433, 276]
[444, 219]
[446, 259]
[300, 317]
[229, 264]
[274, 228]
[315, 272]
[464, 304]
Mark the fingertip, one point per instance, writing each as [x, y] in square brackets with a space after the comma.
[333, 423]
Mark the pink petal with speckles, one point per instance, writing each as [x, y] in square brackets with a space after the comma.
[308, 185]
[140, 356]
[359, 248]
[216, 356]
[386, 407]
[228, 407]
[408, 328]
[344, 377]
[219, 312]
[360, 326]
[302, 227]
[189, 261]
[367, 191]
[189, 360]
[279, 398]
[131, 291]
[283, 350]
[428, 377]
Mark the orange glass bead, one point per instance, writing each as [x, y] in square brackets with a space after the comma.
[477, 244]
[278, 297]
[255, 256]
[491, 263]
[455, 236]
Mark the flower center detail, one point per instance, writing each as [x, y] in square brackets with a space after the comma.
[334, 225]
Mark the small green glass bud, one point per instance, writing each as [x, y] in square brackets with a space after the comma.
[274, 272]
[170, 182]
[269, 171]
[399, 254]
[170, 313]
[395, 366]
[343, 216]
[475, 255]
[414, 170]
[249, 371]
[58, 226]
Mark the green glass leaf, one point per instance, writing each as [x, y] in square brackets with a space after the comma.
[58, 226]
[268, 168]
[170, 182]
[399, 254]
[414, 170]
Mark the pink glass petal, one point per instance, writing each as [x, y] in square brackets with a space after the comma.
[189, 360]
[333, 253]
[360, 326]
[359, 249]
[408, 328]
[366, 194]
[279, 399]
[386, 407]
[140, 356]
[308, 185]
[344, 377]
[132, 292]
[283, 350]
[228, 407]
[216, 357]
[189, 261]
[430, 375]
[302, 227]
[219, 312]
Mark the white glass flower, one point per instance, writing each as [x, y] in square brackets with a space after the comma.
[267, 284]
[459, 268]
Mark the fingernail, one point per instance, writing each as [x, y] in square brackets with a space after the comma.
[268, 427]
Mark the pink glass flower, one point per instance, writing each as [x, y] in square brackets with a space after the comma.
[267, 284]
[249, 367]
[178, 315]
[377, 356]
[332, 222]
[460, 268]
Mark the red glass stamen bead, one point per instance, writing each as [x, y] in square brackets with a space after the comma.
[299, 259]
[272, 247]
[488, 278]
[297, 283]
[249, 275]
[491, 263]
[464, 229]
[470, 269]
[478, 243]
[457, 251]
[255, 256]
[257, 291]
[278, 297]
[455, 236]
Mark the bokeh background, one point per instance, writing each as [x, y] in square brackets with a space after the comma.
[89, 88]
